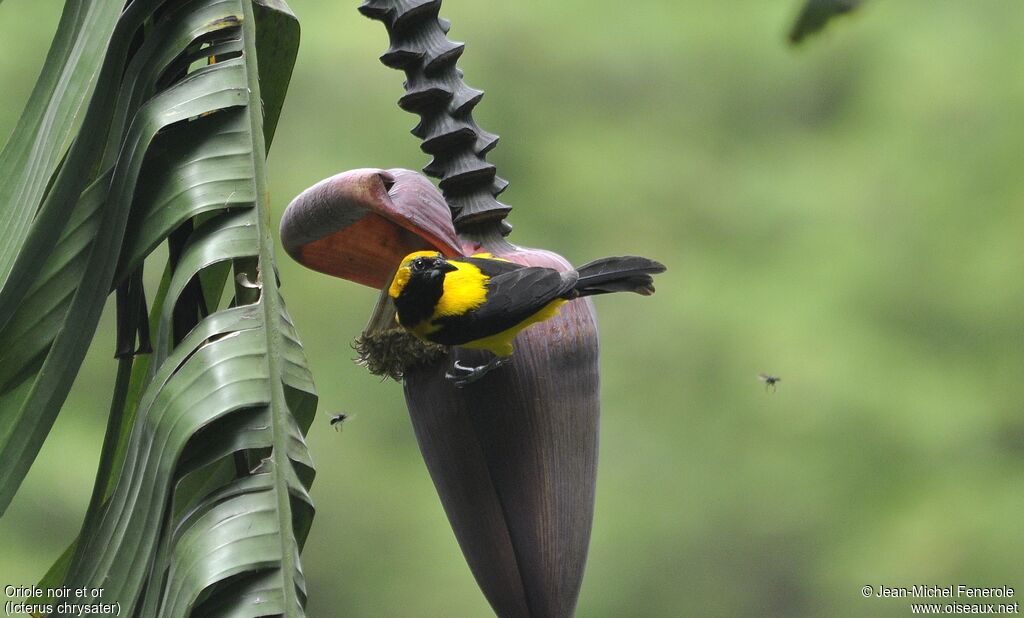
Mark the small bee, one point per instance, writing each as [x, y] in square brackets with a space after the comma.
[769, 381]
[338, 419]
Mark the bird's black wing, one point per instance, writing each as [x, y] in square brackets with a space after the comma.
[490, 266]
[512, 296]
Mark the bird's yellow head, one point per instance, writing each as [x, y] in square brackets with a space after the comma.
[419, 265]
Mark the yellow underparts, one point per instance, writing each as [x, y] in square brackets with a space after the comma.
[501, 343]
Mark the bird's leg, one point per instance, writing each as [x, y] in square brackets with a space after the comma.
[461, 375]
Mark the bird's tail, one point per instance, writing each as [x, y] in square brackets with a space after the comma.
[618, 274]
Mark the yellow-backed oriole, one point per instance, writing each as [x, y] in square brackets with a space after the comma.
[483, 302]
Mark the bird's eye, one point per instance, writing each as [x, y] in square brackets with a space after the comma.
[419, 263]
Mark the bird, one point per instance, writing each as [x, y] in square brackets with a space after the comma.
[482, 302]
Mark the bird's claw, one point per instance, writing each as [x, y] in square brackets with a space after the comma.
[464, 369]
[468, 375]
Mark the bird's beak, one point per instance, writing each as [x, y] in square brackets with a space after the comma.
[446, 267]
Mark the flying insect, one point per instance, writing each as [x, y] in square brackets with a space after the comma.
[770, 381]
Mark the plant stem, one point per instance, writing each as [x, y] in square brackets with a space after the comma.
[435, 90]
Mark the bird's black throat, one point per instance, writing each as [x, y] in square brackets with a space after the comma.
[419, 297]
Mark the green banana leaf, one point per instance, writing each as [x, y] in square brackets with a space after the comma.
[816, 14]
[201, 501]
[50, 119]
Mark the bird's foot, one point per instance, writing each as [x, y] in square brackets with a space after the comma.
[461, 375]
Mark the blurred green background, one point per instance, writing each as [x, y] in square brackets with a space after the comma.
[847, 215]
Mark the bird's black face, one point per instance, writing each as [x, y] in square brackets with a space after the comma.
[427, 267]
[418, 289]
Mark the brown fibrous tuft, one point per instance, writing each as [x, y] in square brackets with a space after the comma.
[393, 352]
